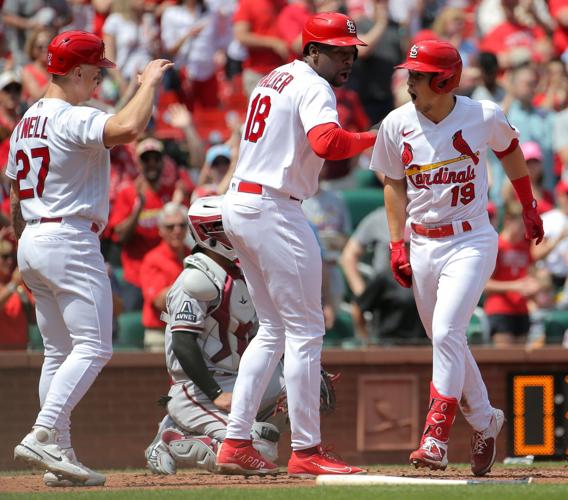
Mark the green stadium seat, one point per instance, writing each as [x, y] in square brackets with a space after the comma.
[341, 330]
[365, 178]
[555, 324]
[361, 202]
[479, 330]
[35, 342]
[130, 330]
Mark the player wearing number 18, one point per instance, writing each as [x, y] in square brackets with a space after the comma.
[60, 167]
[433, 152]
[291, 127]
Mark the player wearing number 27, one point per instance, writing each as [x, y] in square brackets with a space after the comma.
[291, 127]
[60, 169]
[433, 153]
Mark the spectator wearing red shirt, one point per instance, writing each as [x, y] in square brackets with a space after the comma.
[14, 301]
[160, 268]
[134, 217]
[559, 12]
[512, 286]
[514, 42]
[256, 29]
[35, 76]
[291, 21]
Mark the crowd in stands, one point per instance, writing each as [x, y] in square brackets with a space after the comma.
[515, 52]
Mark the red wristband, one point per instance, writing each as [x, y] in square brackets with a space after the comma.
[523, 188]
[393, 245]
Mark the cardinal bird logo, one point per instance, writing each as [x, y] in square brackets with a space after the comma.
[407, 155]
[463, 147]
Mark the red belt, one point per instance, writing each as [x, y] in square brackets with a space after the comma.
[94, 225]
[254, 188]
[438, 231]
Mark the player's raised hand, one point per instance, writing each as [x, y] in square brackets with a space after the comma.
[154, 71]
[533, 223]
[400, 265]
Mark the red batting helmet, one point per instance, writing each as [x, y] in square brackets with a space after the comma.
[436, 56]
[71, 48]
[330, 28]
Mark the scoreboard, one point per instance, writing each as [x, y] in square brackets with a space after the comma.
[538, 414]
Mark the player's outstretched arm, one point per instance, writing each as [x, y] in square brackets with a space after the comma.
[130, 121]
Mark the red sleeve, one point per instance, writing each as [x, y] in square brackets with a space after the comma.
[510, 149]
[241, 12]
[331, 142]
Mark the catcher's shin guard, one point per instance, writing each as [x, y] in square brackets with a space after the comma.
[433, 449]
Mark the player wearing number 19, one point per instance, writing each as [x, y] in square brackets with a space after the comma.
[433, 152]
[291, 127]
[60, 167]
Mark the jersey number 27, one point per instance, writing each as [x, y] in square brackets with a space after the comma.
[23, 160]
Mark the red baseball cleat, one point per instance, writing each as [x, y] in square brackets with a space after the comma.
[432, 453]
[237, 456]
[483, 445]
[304, 464]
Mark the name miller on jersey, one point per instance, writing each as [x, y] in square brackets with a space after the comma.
[30, 127]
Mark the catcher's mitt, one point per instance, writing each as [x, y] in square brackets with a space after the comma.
[327, 392]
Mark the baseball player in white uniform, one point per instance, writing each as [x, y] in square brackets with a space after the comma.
[60, 169]
[210, 321]
[291, 127]
[433, 151]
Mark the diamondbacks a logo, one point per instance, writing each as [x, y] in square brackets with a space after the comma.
[351, 27]
[413, 54]
[186, 313]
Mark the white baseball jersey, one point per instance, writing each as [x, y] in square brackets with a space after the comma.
[444, 163]
[58, 157]
[224, 325]
[275, 151]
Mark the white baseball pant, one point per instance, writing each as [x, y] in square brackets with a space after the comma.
[449, 276]
[62, 264]
[281, 261]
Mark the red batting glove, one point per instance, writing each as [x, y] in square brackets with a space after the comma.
[400, 265]
[533, 223]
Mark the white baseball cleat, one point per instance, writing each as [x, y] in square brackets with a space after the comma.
[432, 453]
[95, 478]
[40, 449]
[484, 445]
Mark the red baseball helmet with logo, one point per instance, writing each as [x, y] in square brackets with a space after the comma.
[436, 56]
[330, 28]
[71, 48]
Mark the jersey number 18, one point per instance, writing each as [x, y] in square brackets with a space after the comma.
[256, 122]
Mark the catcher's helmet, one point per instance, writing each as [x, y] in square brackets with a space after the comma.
[206, 225]
[330, 28]
[436, 56]
[71, 48]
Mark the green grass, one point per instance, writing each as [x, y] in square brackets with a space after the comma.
[481, 492]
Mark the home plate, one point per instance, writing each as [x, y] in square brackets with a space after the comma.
[366, 480]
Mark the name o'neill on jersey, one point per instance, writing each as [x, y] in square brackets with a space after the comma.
[420, 177]
[186, 313]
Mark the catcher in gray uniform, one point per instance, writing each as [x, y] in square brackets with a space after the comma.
[210, 320]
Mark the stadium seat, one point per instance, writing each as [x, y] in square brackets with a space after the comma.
[130, 331]
[555, 324]
[365, 178]
[35, 342]
[479, 330]
[361, 202]
[341, 330]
